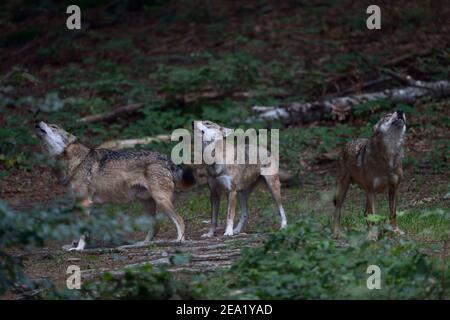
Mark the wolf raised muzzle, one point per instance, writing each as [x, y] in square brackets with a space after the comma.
[375, 165]
[236, 180]
[102, 175]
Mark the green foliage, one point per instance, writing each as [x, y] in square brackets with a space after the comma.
[371, 106]
[14, 134]
[341, 62]
[438, 157]
[224, 112]
[30, 229]
[139, 283]
[302, 262]
[310, 142]
[225, 74]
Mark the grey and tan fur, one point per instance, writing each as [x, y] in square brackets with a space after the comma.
[375, 165]
[101, 175]
[236, 180]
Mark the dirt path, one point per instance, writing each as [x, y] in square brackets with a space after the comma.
[197, 255]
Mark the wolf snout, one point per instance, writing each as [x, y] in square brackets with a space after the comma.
[39, 127]
[196, 126]
[400, 114]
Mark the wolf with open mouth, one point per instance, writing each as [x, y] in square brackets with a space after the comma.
[375, 165]
[102, 175]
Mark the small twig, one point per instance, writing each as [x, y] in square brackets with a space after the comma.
[407, 56]
[365, 85]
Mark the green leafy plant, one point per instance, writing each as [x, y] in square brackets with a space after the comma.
[302, 262]
[32, 229]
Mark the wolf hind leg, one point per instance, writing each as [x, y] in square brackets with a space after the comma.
[274, 185]
[161, 187]
[150, 209]
[215, 196]
[163, 199]
[342, 185]
[243, 199]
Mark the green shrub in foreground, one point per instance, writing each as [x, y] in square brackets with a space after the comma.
[28, 230]
[303, 262]
[139, 283]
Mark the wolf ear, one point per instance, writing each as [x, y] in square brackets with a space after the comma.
[71, 138]
[376, 127]
[227, 132]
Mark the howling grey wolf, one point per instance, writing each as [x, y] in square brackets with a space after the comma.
[236, 180]
[375, 164]
[101, 175]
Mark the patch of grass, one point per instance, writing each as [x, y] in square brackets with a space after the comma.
[307, 143]
[15, 135]
[225, 74]
[429, 222]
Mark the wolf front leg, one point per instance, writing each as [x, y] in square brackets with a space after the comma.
[393, 210]
[370, 209]
[230, 212]
[79, 245]
[243, 199]
[215, 205]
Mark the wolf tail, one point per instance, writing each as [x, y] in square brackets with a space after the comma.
[287, 177]
[184, 176]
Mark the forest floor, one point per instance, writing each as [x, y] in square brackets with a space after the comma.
[422, 191]
[268, 54]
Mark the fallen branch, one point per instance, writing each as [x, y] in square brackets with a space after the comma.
[339, 108]
[364, 85]
[132, 143]
[211, 95]
[108, 116]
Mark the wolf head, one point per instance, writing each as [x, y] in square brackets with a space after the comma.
[210, 131]
[391, 127]
[54, 139]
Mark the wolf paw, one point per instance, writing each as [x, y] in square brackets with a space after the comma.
[228, 232]
[237, 230]
[71, 248]
[67, 247]
[209, 234]
[76, 249]
[75, 246]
